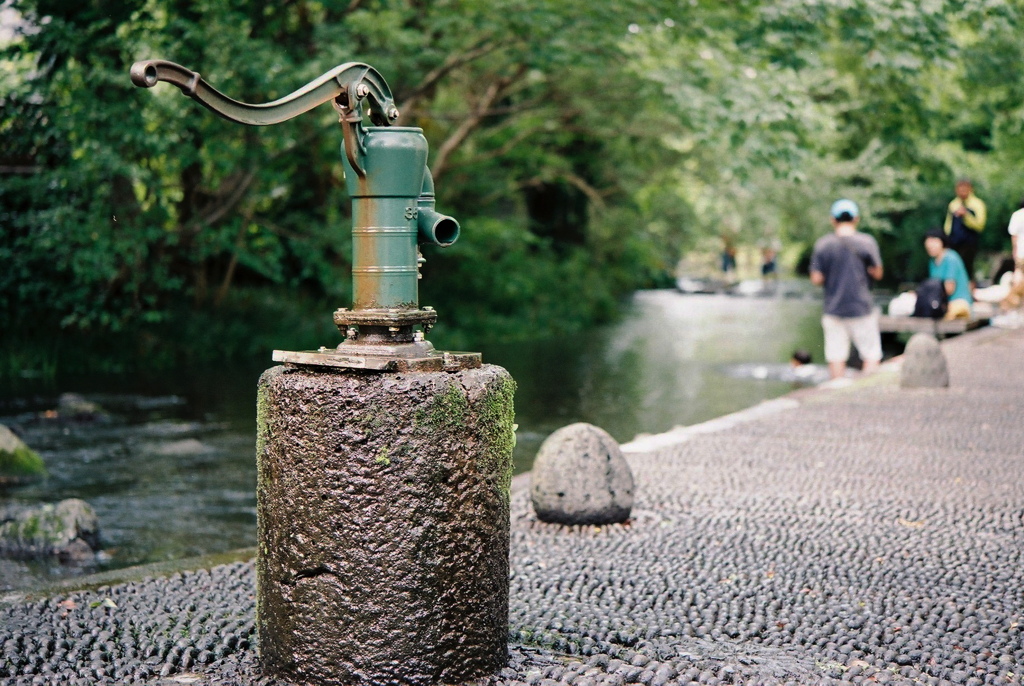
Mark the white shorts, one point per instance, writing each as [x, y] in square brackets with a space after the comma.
[863, 331]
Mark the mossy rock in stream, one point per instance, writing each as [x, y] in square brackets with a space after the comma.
[68, 531]
[18, 463]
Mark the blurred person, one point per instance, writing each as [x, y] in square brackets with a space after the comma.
[946, 266]
[728, 255]
[803, 367]
[800, 357]
[844, 263]
[1004, 267]
[770, 248]
[965, 220]
[1016, 230]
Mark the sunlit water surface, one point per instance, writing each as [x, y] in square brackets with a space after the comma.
[171, 473]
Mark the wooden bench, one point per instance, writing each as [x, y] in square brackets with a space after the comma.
[937, 327]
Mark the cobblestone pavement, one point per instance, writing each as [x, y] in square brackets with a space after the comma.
[863, 535]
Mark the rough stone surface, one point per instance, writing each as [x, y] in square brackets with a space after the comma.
[18, 462]
[68, 530]
[869, 536]
[924, 365]
[581, 477]
[383, 509]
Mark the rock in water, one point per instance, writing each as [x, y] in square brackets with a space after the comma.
[18, 462]
[72, 406]
[581, 477]
[68, 530]
[186, 446]
[924, 365]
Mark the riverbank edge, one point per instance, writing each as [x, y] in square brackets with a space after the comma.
[115, 577]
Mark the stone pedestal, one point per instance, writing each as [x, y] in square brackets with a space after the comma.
[383, 516]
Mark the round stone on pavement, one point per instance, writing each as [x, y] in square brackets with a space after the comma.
[924, 365]
[581, 477]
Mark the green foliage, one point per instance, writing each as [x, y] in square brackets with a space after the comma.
[21, 463]
[801, 103]
[585, 148]
[18, 462]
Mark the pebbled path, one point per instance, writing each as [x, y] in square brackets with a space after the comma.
[864, 535]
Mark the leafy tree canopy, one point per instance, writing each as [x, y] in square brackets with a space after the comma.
[584, 147]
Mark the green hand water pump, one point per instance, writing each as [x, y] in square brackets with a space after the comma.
[393, 213]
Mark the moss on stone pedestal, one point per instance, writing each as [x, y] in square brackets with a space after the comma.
[497, 425]
[447, 411]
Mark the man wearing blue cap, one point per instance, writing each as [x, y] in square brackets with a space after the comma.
[844, 262]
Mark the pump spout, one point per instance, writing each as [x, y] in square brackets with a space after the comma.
[439, 229]
[433, 227]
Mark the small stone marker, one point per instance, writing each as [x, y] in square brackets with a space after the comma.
[581, 477]
[924, 365]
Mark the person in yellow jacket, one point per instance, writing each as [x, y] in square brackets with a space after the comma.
[965, 220]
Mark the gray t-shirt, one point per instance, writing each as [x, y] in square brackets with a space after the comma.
[844, 261]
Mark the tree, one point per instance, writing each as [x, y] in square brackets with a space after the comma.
[815, 91]
[584, 149]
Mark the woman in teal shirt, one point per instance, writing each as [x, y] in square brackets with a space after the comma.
[948, 267]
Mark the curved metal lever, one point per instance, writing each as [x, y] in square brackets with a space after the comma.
[347, 84]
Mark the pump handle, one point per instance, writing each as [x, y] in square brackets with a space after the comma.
[347, 84]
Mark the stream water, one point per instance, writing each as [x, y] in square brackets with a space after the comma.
[171, 470]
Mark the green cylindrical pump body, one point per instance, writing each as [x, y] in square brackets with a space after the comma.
[384, 217]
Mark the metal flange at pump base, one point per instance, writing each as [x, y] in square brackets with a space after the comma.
[393, 213]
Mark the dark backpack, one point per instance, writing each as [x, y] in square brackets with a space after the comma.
[932, 300]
